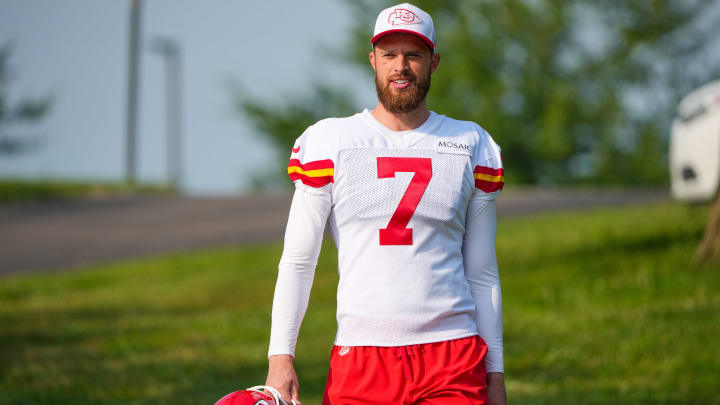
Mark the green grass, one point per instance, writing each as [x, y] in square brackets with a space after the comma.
[16, 190]
[600, 308]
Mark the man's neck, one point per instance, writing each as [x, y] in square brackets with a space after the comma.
[401, 121]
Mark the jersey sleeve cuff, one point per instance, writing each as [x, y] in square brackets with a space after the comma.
[274, 351]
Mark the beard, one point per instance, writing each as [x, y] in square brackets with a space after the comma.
[405, 100]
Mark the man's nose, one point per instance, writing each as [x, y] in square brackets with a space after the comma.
[401, 64]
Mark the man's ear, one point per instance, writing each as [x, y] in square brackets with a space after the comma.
[435, 62]
[372, 59]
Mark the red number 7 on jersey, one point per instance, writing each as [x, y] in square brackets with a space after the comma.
[397, 232]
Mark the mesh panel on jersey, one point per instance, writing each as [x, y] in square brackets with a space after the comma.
[396, 295]
[371, 197]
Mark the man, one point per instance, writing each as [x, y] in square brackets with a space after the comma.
[410, 199]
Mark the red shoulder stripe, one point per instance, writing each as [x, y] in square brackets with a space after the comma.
[315, 174]
[488, 179]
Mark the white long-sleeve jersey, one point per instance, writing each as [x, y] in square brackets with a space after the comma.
[412, 214]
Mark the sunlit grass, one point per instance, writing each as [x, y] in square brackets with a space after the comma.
[600, 308]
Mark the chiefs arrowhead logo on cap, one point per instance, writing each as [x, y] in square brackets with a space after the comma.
[401, 16]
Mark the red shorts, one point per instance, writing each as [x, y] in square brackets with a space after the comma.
[448, 373]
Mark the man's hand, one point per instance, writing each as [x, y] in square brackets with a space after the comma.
[282, 377]
[496, 389]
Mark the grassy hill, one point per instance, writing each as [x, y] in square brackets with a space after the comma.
[20, 190]
[600, 307]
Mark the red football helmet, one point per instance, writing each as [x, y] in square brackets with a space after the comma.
[258, 395]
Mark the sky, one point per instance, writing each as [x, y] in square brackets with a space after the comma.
[76, 52]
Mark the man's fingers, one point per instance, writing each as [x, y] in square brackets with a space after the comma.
[296, 398]
[284, 390]
[295, 393]
[285, 396]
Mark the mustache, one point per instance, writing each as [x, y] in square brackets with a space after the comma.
[402, 76]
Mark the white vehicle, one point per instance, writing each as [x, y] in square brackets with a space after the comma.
[695, 145]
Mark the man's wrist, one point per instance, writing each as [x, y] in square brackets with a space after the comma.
[280, 358]
[496, 379]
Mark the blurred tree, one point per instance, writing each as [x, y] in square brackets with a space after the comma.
[11, 116]
[284, 122]
[574, 91]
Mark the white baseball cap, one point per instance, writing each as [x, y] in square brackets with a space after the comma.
[405, 18]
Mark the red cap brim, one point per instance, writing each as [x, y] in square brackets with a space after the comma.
[417, 34]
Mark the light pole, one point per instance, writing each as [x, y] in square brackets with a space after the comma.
[132, 92]
[170, 50]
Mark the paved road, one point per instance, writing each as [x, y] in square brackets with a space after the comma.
[63, 235]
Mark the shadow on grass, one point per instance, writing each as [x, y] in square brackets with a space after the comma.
[602, 396]
[165, 382]
[137, 355]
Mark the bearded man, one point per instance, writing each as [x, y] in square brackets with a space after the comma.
[410, 199]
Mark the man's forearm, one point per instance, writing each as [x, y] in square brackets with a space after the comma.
[496, 389]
